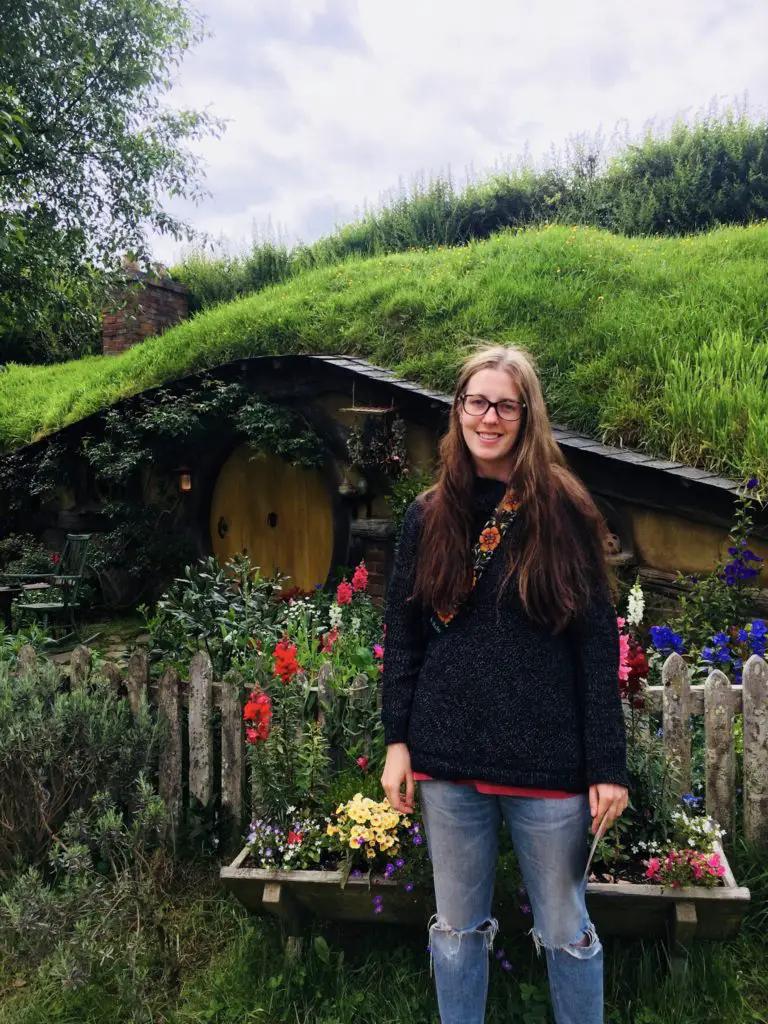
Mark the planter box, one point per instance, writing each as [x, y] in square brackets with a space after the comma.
[624, 908]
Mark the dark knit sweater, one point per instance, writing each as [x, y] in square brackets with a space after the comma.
[498, 697]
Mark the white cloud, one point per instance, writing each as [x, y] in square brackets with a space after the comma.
[331, 102]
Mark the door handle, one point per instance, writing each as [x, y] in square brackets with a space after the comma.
[223, 527]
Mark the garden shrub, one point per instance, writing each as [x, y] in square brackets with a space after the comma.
[58, 747]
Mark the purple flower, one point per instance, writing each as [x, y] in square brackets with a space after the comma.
[500, 954]
[752, 483]
[356, 873]
[525, 908]
[268, 852]
[378, 899]
[408, 886]
[506, 965]
[400, 863]
[417, 840]
[378, 908]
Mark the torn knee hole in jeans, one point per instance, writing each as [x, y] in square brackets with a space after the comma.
[584, 947]
[487, 928]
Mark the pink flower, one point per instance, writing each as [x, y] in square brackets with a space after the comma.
[624, 668]
[360, 578]
[344, 593]
[654, 864]
[378, 651]
[362, 762]
[251, 735]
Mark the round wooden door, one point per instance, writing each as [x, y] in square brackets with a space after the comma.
[279, 515]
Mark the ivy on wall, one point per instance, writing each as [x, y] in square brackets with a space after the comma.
[126, 461]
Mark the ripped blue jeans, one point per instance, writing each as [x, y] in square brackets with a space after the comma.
[550, 838]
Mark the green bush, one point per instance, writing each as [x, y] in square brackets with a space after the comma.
[220, 609]
[58, 747]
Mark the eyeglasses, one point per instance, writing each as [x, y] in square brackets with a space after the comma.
[478, 405]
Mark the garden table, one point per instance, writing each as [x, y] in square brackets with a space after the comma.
[7, 595]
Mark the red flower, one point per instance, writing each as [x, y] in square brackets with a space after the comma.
[360, 578]
[257, 714]
[55, 558]
[362, 762]
[295, 838]
[344, 592]
[329, 639]
[286, 665]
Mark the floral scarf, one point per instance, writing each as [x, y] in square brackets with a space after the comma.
[490, 538]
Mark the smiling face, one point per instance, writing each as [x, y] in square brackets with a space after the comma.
[490, 438]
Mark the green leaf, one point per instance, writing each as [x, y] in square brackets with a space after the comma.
[321, 949]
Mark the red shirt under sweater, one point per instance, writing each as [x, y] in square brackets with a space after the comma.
[493, 790]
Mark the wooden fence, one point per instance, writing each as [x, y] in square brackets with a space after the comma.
[717, 700]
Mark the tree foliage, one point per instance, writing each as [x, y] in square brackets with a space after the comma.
[88, 154]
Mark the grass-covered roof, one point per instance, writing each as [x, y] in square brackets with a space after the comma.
[659, 344]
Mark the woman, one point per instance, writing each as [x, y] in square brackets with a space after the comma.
[500, 688]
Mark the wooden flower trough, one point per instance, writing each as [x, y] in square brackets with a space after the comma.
[623, 908]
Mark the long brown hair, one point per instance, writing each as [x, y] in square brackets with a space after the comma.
[560, 557]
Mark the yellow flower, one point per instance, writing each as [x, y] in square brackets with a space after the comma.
[370, 854]
[386, 842]
[331, 830]
[406, 823]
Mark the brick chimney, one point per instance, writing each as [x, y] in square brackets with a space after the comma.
[149, 304]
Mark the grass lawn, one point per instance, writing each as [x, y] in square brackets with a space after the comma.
[658, 343]
[224, 967]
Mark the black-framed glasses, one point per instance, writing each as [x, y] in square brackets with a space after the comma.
[478, 405]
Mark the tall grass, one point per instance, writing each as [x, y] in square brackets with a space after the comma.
[655, 343]
[688, 178]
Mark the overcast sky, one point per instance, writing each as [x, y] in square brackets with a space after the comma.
[331, 103]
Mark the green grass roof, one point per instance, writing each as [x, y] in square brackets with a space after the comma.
[661, 344]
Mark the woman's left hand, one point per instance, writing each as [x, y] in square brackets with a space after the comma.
[607, 801]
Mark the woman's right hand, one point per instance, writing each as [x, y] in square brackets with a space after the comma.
[397, 772]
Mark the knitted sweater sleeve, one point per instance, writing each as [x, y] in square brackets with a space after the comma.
[596, 645]
[405, 639]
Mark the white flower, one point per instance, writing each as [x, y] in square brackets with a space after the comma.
[335, 615]
[635, 605]
[355, 625]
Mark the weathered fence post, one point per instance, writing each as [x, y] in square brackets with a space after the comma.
[324, 691]
[721, 764]
[755, 697]
[80, 662]
[200, 733]
[137, 678]
[26, 659]
[111, 672]
[232, 747]
[169, 767]
[677, 736]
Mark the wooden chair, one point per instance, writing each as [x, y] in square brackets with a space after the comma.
[62, 586]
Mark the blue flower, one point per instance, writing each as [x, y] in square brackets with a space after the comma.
[664, 639]
[720, 639]
[660, 731]
[723, 654]
[708, 654]
[752, 483]
[733, 551]
[742, 636]
[758, 627]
